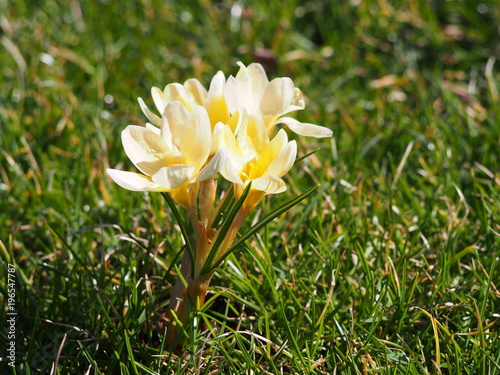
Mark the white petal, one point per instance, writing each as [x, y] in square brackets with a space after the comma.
[224, 137]
[254, 75]
[153, 128]
[215, 103]
[297, 102]
[150, 115]
[174, 176]
[145, 148]
[252, 137]
[175, 118]
[232, 94]
[230, 173]
[196, 138]
[217, 138]
[166, 134]
[157, 95]
[269, 184]
[282, 164]
[277, 97]
[216, 87]
[197, 90]
[251, 82]
[133, 181]
[177, 92]
[213, 167]
[306, 129]
[272, 150]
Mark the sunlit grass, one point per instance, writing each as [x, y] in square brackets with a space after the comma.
[392, 266]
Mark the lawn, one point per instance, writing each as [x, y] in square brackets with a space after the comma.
[391, 266]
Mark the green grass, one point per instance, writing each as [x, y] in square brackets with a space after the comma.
[391, 267]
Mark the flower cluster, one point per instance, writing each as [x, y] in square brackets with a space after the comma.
[228, 129]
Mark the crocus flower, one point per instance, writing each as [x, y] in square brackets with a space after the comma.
[251, 90]
[252, 157]
[193, 93]
[173, 157]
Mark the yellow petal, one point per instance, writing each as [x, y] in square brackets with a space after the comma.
[224, 137]
[235, 120]
[252, 137]
[216, 103]
[197, 90]
[270, 152]
[191, 133]
[177, 92]
[282, 164]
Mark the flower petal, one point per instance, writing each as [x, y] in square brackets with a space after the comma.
[234, 100]
[248, 86]
[150, 115]
[230, 172]
[213, 167]
[177, 92]
[133, 181]
[269, 184]
[277, 97]
[191, 132]
[252, 137]
[216, 103]
[224, 137]
[174, 176]
[145, 148]
[197, 90]
[254, 76]
[306, 129]
[153, 128]
[157, 95]
[297, 102]
[282, 164]
[272, 149]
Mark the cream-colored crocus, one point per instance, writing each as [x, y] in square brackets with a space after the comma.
[173, 157]
[251, 90]
[252, 157]
[190, 94]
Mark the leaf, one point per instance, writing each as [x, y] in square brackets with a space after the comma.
[306, 155]
[270, 217]
[182, 224]
[233, 211]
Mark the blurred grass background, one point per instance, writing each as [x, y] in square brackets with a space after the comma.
[392, 267]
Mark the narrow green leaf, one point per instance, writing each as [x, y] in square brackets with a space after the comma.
[207, 267]
[130, 352]
[89, 357]
[299, 159]
[228, 202]
[270, 217]
[145, 369]
[182, 224]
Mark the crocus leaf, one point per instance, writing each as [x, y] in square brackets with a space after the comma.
[300, 158]
[226, 225]
[270, 217]
[182, 224]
